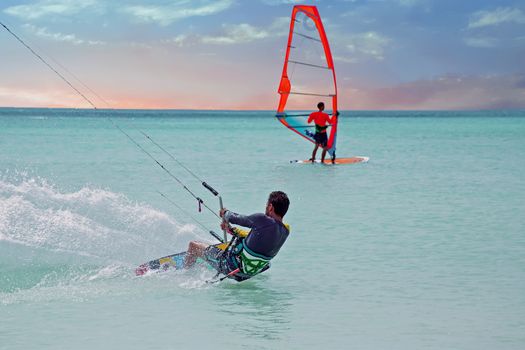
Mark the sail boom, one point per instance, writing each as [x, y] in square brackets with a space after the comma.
[308, 126]
[285, 115]
[310, 94]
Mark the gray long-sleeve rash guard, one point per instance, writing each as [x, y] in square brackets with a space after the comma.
[267, 235]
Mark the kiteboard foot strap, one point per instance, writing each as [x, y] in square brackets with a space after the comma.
[232, 273]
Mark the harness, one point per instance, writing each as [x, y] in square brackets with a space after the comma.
[247, 262]
[250, 262]
[320, 129]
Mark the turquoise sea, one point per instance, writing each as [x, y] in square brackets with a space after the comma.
[421, 248]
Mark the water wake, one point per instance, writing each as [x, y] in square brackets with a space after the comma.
[49, 238]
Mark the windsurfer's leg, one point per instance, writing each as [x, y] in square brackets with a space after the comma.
[323, 155]
[195, 250]
[314, 153]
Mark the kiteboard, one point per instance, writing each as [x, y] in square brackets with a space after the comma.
[351, 160]
[169, 262]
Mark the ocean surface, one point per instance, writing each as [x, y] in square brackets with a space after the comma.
[421, 248]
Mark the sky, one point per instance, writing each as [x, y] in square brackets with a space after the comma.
[228, 54]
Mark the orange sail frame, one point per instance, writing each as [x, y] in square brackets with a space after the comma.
[285, 85]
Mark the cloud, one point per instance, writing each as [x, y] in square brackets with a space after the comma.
[164, 13]
[484, 42]
[281, 2]
[345, 59]
[45, 8]
[369, 44]
[176, 10]
[447, 92]
[492, 18]
[179, 40]
[71, 38]
[410, 3]
[235, 34]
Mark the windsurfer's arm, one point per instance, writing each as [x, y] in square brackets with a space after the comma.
[310, 118]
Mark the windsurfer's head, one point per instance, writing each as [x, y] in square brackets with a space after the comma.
[278, 203]
[320, 106]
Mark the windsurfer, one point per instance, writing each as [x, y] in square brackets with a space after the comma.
[322, 122]
[250, 252]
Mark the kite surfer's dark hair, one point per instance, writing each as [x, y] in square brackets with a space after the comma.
[320, 105]
[280, 202]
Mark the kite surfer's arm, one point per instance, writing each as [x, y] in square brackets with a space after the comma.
[238, 219]
[239, 232]
[235, 231]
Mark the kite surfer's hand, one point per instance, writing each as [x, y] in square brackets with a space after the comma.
[222, 211]
[225, 226]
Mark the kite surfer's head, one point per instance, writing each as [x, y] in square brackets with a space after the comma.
[278, 204]
[320, 106]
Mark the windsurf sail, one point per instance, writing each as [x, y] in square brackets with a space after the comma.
[308, 76]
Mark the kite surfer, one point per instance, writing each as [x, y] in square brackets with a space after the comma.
[249, 252]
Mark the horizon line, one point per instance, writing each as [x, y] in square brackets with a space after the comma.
[262, 110]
